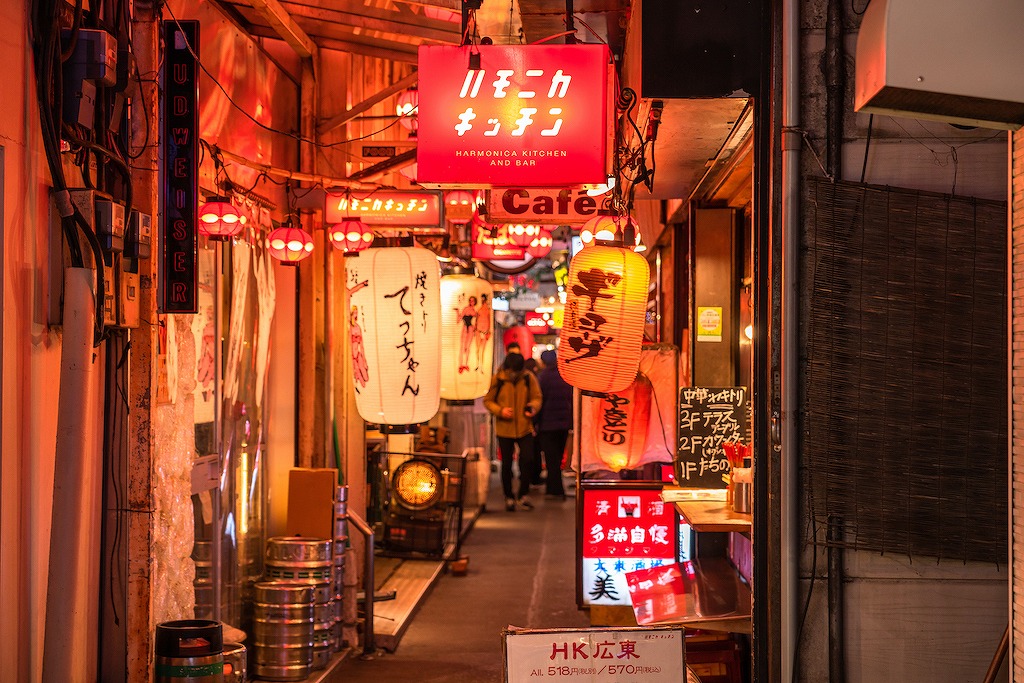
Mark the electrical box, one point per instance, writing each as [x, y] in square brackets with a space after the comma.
[110, 224]
[140, 235]
[92, 63]
[128, 303]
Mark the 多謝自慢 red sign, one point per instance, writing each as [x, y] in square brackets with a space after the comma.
[385, 207]
[628, 523]
[529, 116]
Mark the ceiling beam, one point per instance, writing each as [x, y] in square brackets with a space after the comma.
[453, 5]
[349, 114]
[377, 170]
[370, 18]
[382, 49]
[286, 28]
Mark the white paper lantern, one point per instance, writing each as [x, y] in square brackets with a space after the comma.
[395, 326]
[467, 326]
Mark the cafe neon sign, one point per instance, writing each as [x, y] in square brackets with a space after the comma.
[528, 116]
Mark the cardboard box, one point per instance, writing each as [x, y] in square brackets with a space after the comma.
[311, 502]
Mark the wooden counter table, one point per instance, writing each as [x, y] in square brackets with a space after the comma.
[712, 515]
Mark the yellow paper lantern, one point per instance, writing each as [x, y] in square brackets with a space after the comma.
[467, 326]
[603, 329]
[395, 333]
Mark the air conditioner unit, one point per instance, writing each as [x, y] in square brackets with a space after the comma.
[945, 60]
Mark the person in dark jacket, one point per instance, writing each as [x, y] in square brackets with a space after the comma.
[554, 420]
[514, 398]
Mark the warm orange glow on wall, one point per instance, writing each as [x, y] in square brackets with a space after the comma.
[606, 302]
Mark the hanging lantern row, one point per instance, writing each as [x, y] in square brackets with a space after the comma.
[221, 220]
[350, 236]
[523, 234]
[289, 244]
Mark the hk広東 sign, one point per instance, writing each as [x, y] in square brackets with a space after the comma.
[385, 207]
[529, 116]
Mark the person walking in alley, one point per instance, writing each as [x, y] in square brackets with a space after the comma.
[513, 398]
[554, 420]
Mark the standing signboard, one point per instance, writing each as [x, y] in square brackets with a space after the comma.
[514, 115]
[654, 654]
[708, 417]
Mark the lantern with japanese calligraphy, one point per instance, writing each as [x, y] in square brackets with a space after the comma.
[605, 311]
[467, 323]
[522, 335]
[395, 334]
[619, 424]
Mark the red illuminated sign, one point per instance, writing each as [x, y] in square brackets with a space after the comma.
[491, 242]
[541, 205]
[385, 207]
[529, 116]
[536, 322]
[629, 523]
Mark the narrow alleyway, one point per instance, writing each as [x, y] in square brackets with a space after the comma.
[520, 573]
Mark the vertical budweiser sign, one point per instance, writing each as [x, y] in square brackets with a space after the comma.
[524, 116]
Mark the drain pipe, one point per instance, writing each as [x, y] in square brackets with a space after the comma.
[790, 218]
[72, 600]
[369, 585]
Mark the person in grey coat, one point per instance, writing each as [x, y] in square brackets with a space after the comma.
[553, 421]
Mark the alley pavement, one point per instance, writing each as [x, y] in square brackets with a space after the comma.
[521, 573]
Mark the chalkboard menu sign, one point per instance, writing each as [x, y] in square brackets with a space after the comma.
[708, 417]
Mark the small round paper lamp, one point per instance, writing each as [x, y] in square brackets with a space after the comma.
[289, 244]
[395, 334]
[351, 235]
[621, 421]
[606, 302]
[220, 220]
[540, 246]
[459, 206]
[607, 227]
[406, 108]
[467, 340]
[522, 335]
[523, 234]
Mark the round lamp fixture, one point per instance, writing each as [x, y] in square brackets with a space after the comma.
[416, 484]
[351, 235]
[220, 220]
[523, 234]
[289, 244]
[460, 206]
[406, 109]
[541, 245]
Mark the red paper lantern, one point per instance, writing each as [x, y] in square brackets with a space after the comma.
[220, 220]
[608, 227]
[621, 421]
[406, 108]
[541, 245]
[289, 244]
[351, 235]
[599, 349]
[523, 234]
[521, 335]
[460, 206]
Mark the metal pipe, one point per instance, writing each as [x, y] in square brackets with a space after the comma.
[790, 219]
[836, 578]
[369, 647]
[70, 647]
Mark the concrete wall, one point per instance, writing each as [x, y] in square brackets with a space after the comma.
[909, 621]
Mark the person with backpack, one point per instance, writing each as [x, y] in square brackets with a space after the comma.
[514, 398]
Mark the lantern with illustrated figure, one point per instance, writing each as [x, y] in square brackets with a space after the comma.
[521, 335]
[289, 244]
[220, 220]
[605, 311]
[618, 425]
[467, 343]
[395, 334]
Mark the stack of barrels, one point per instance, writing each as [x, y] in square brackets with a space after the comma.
[283, 630]
[296, 561]
[338, 565]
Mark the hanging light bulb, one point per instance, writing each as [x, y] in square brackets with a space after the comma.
[220, 220]
[406, 109]
[460, 206]
[289, 244]
[351, 235]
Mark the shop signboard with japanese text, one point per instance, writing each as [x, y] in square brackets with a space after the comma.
[491, 242]
[385, 207]
[597, 655]
[514, 115]
[708, 417]
[624, 529]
